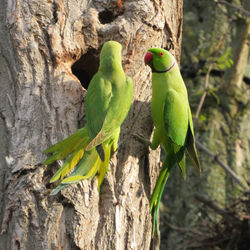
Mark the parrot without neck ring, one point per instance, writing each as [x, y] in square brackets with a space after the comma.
[108, 101]
[172, 119]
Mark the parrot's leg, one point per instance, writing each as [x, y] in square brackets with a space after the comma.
[100, 152]
[115, 140]
[156, 139]
[142, 140]
[154, 144]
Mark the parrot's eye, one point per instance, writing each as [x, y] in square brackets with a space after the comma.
[161, 54]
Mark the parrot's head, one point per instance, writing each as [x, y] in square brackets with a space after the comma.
[159, 60]
[111, 48]
[110, 56]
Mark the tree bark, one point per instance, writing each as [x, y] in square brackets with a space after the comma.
[42, 102]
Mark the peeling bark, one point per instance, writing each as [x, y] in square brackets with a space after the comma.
[42, 102]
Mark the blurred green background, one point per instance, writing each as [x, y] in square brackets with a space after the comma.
[213, 211]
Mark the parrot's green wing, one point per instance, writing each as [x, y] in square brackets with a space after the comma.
[97, 103]
[176, 124]
[118, 108]
[176, 117]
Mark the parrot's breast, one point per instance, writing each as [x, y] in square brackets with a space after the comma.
[162, 84]
[159, 91]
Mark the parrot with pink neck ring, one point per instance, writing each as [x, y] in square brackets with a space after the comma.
[172, 119]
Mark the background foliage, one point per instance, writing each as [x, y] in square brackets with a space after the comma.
[212, 211]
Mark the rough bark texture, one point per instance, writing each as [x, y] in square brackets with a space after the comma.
[42, 102]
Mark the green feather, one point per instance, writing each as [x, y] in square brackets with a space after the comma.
[73, 179]
[65, 147]
[70, 163]
[175, 116]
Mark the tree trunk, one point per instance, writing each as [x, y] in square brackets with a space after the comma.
[42, 102]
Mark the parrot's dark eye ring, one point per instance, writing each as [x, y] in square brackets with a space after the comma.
[161, 54]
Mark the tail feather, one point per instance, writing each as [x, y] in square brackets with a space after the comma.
[86, 169]
[65, 147]
[73, 179]
[58, 189]
[69, 164]
[157, 194]
[157, 188]
[156, 198]
[86, 164]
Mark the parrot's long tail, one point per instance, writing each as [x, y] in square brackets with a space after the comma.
[157, 194]
[86, 164]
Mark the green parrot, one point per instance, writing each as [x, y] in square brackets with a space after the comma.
[108, 101]
[172, 119]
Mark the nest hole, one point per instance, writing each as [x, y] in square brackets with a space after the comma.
[106, 16]
[85, 68]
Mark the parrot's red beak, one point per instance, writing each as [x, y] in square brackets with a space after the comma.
[148, 58]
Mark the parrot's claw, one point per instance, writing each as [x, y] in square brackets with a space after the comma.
[142, 139]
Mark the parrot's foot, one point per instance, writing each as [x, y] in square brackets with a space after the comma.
[142, 140]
